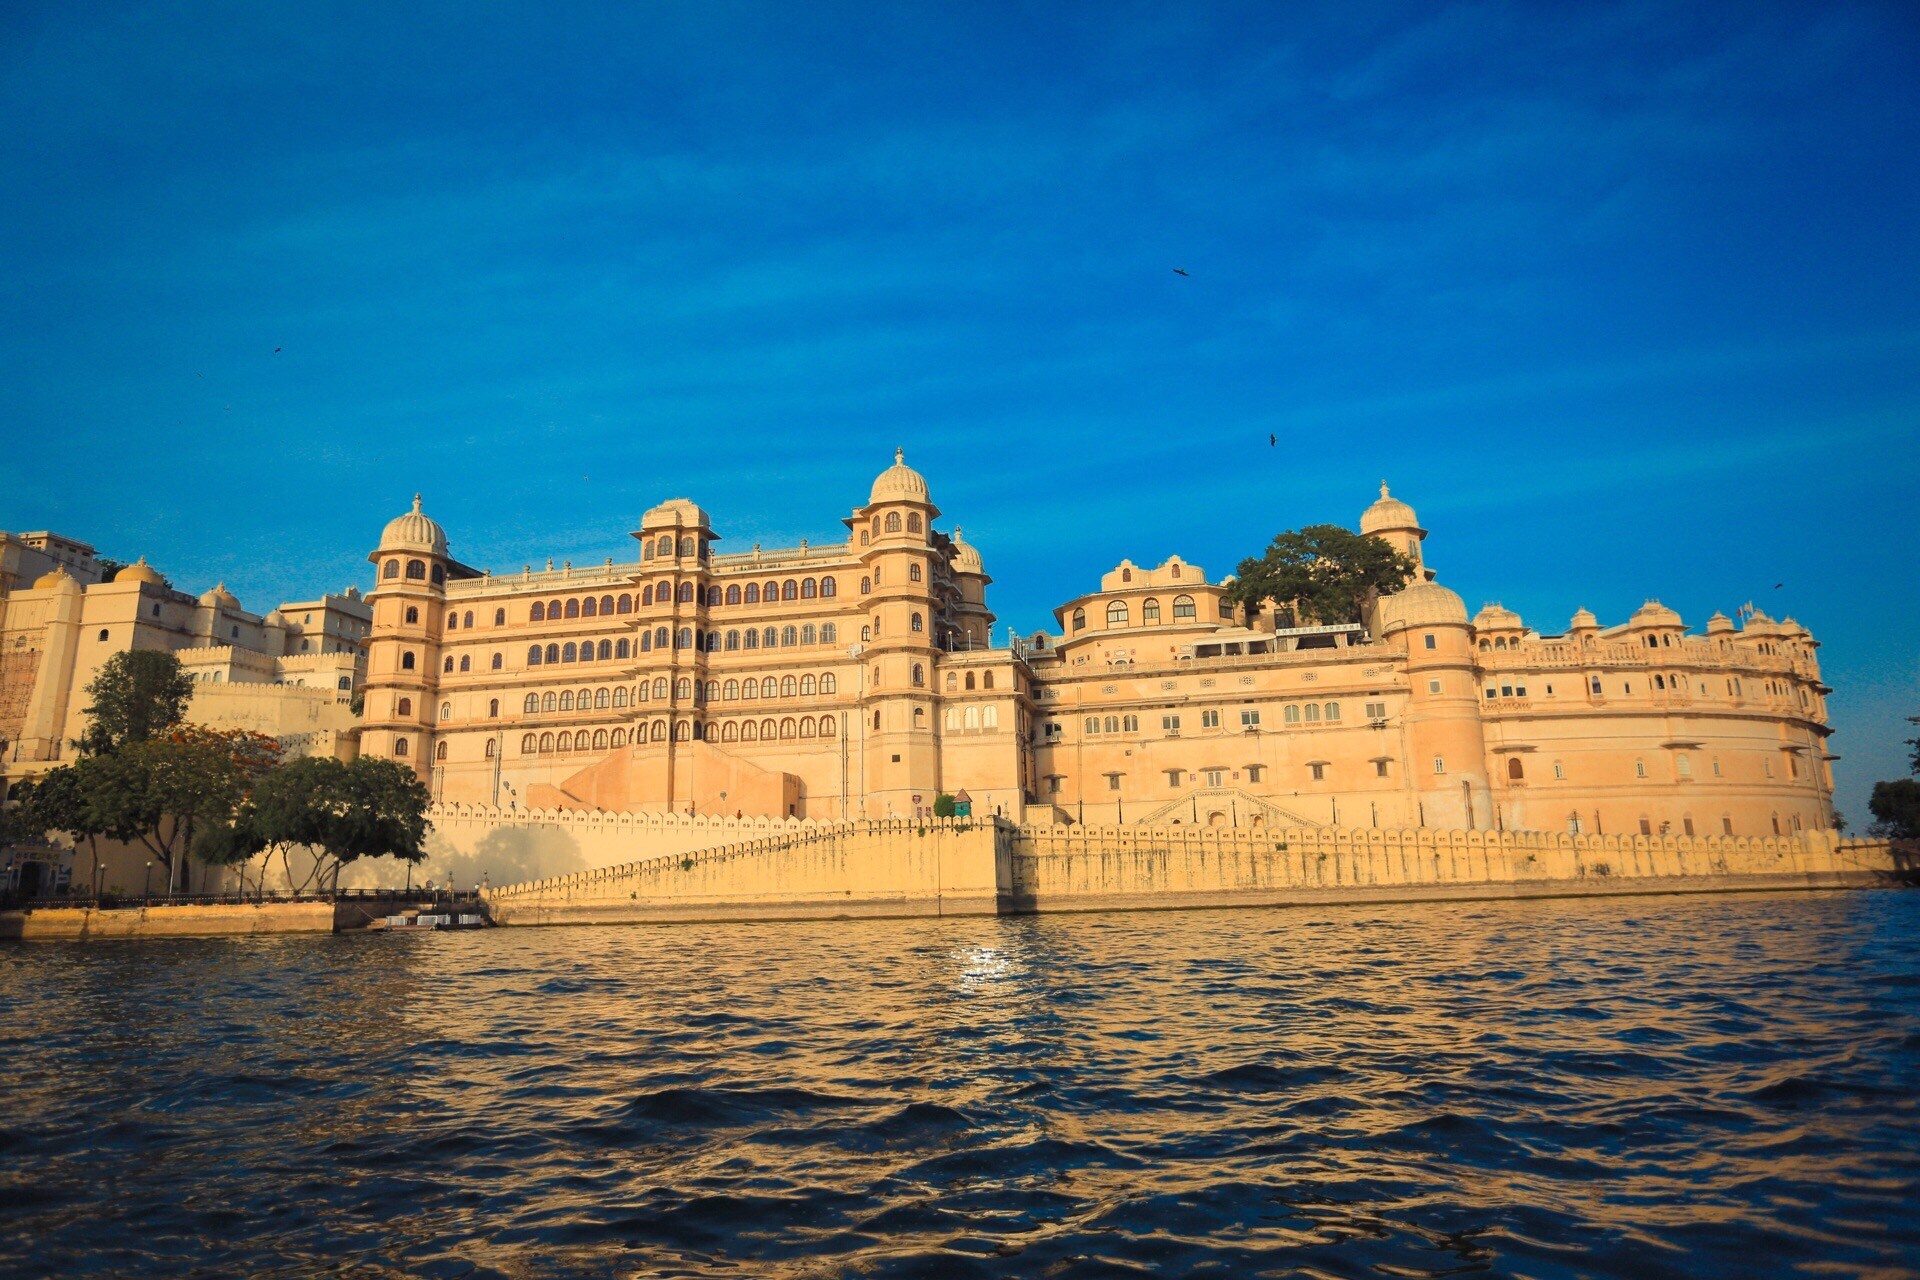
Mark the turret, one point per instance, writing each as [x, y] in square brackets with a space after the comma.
[403, 653]
[1446, 743]
[899, 638]
[1394, 523]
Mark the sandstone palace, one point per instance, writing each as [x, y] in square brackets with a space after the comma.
[860, 678]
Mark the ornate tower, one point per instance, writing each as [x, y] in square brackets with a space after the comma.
[1394, 523]
[670, 630]
[403, 651]
[898, 637]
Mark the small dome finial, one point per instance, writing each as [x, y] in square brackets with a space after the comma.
[416, 502]
[1383, 490]
[899, 457]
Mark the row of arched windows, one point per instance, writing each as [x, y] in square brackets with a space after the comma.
[416, 570]
[953, 680]
[791, 589]
[466, 661]
[569, 700]
[456, 620]
[769, 730]
[892, 523]
[1120, 615]
[663, 547]
[582, 607]
[585, 651]
[805, 686]
[976, 716]
[1310, 713]
[584, 740]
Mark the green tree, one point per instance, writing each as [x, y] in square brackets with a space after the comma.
[943, 805]
[338, 812]
[1321, 574]
[1896, 805]
[158, 792]
[137, 695]
[60, 801]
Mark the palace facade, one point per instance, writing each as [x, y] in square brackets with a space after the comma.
[859, 678]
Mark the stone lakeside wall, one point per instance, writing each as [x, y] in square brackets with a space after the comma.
[1136, 868]
[185, 921]
[905, 868]
[888, 868]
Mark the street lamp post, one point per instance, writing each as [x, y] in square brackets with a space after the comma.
[146, 881]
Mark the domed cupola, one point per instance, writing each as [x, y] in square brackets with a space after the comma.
[966, 558]
[414, 531]
[58, 577]
[218, 597]
[1421, 604]
[1388, 513]
[899, 483]
[1653, 616]
[140, 571]
[1496, 617]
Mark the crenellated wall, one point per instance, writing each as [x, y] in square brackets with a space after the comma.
[906, 868]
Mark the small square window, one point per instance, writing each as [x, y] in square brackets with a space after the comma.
[1319, 772]
[1379, 768]
[1432, 643]
[1250, 719]
[1209, 719]
[1433, 686]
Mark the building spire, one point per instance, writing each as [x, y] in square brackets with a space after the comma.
[899, 457]
[1383, 490]
[416, 504]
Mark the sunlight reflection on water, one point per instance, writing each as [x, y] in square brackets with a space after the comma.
[1678, 1086]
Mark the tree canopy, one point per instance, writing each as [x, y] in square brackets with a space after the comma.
[137, 695]
[158, 791]
[341, 812]
[1322, 574]
[1895, 805]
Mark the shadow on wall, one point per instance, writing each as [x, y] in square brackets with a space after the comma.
[504, 856]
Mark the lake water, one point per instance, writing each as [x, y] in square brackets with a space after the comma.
[1654, 1087]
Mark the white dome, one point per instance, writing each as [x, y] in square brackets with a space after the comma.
[218, 596]
[676, 513]
[899, 483]
[1422, 604]
[414, 532]
[1387, 512]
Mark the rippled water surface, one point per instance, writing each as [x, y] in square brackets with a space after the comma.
[1659, 1087]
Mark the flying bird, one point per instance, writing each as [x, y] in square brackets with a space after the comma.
[1778, 585]
[1177, 271]
[1272, 439]
[276, 351]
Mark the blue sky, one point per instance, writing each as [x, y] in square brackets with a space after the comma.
[1624, 298]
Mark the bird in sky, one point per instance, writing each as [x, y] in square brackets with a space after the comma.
[1778, 585]
[1272, 439]
[1177, 271]
[276, 351]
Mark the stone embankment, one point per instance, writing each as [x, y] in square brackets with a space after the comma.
[162, 919]
[953, 867]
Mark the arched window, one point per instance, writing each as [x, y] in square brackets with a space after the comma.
[400, 746]
[768, 639]
[866, 586]
[493, 707]
[589, 608]
[404, 707]
[660, 687]
[440, 752]
[572, 609]
[1111, 724]
[826, 726]
[406, 662]
[1149, 611]
[788, 686]
[546, 742]
[828, 587]
[789, 636]
[1313, 713]
[1117, 613]
[1183, 607]
[749, 731]
[606, 604]
[1515, 770]
[713, 596]
[439, 574]
[913, 572]
[659, 730]
[806, 726]
[753, 593]
[1333, 711]
[604, 651]
[620, 697]
[789, 590]
[808, 635]
[553, 653]
[787, 727]
[549, 701]
[986, 679]
[599, 739]
[664, 547]
[828, 684]
[733, 594]
[918, 623]
[646, 594]
[1079, 619]
[498, 661]
[809, 589]
[416, 570]
[913, 522]
[769, 688]
[531, 705]
[893, 522]
[686, 593]
[1290, 715]
[728, 731]
[807, 685]
[621, 648]
[829, 633]
[866, 633]
[640, 693]
[686, 546]
[990, 717]
[969, 720]
[662, 637]
[567, 653]
[624, 604]
[969, 679]
[619, 738]
[566, 741]
[682, 731]
[750, 688]
[683, 689]
[646, 642]
[751, 639]
[453, 621]
[466, 662]
[529, 744]
[919, 676]
[446, 665]
[533, 655]
[601, 698]
[413, 615]
[392, 569]
[712, 691]
[683, 638]
[566, 699]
